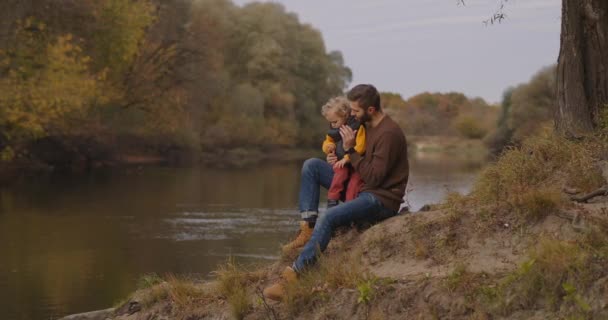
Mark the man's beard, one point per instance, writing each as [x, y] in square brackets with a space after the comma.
[365, 118]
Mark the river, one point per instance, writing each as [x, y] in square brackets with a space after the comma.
[71, 244]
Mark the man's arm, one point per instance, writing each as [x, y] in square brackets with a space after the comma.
[374, 167]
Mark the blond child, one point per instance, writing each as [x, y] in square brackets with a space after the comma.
[346, 182]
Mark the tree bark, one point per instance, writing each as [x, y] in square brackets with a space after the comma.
[582, 71]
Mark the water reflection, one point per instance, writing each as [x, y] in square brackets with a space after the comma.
[73, 244]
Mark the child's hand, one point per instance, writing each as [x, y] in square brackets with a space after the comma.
[341, 163]
[331, 148]
[332, 158]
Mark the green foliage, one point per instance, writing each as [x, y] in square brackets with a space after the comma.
[573, 295]
[274, 70]
[121, 29]
[366, 290]
[470, 128]
[149, 280]
[532, 104]
[196, 75]
[525, 110]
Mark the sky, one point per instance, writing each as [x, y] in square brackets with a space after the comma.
[413, 46]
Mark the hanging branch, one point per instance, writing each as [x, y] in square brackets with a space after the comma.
[498, 15]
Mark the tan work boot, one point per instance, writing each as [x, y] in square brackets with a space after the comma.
[277, 291]
[301, 239]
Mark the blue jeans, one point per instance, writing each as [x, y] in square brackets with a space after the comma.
[316, 173]
[365, 208]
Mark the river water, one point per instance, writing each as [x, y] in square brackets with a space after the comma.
[79, 243]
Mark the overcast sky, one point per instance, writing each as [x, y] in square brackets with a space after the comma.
[412, 46]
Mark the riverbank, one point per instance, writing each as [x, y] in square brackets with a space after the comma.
[428, 146]
[522, 245]
[234, 158]
[395, 270]
[49, 158]
[189, 220]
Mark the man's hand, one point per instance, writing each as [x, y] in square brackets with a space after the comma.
[348, 137]
[341, 163]
[332, 158]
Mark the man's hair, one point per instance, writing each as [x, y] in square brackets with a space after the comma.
[339, 105]
[366, 95]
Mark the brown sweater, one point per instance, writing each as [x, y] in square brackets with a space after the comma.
[384, 167]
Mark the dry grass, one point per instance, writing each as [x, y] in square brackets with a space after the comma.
[154, 295]
[148, 280]
[555, 277]
[233, 283]
[527, 181]
[421, 250]
[458, 279]
[440, 236]
[523, 186]
[336, 271]
[182, 292]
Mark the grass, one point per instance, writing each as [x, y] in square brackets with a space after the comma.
[556, 276]
[457, 278]
[233, 284]
[366, 290]
[541, 161]
[336, 271]
[154, 295]
[182, 292]
[525, 182]
[382, 242]
[438, 237]
[148, 280]
[523, 186]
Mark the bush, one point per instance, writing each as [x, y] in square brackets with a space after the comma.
[470, 128]
[530, 176]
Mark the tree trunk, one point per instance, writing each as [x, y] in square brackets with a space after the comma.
[582, 70]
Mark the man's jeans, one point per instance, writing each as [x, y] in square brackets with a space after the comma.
[316, 173]
[365, 208]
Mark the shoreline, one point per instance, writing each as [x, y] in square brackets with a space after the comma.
[422, 147]
[221, 159]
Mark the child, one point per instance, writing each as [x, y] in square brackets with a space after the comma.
[346, 181]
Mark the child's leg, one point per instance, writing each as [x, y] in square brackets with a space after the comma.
[354, 185]
[337, 183]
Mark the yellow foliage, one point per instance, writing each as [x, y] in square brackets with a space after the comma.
[44, 90]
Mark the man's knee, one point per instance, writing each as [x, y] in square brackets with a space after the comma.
[310, 165]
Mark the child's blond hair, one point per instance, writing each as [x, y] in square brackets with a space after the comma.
[339, 105]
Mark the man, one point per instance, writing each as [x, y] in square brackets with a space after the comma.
[384, 169]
